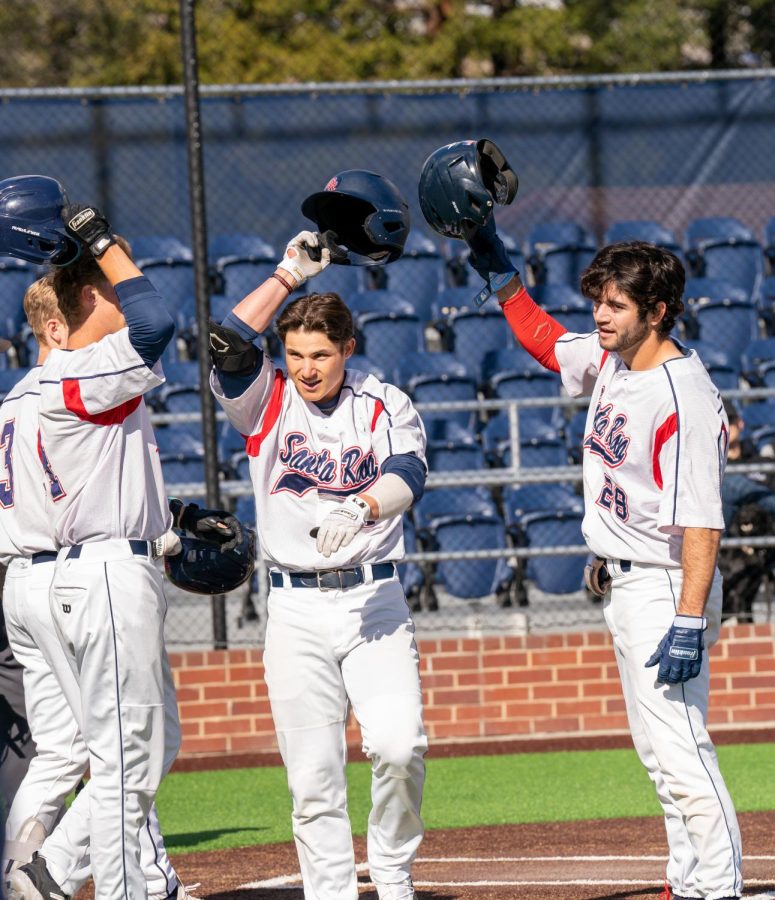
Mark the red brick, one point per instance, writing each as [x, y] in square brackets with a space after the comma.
[764, 698]
[579, 708]
[437, 713]
[456, 729]
[490, 677]
[750, 648]
[761, 714]
[451, 663]
[724, 666]
[529, 676]
[428, 647]
[554, 658]
[470, 645]
[250, 708]
[203, 710]
[601, 655]
[491, 643]
[611, 673]
[480, 711]
[452, 697]
[254, 742]
[527, 710]
[535, 641]
[217, 657]
[765, 664]
[263, 723]
[601, 689]
[615, 705]
[741, 682]
[505, 659]
[505, 694]
[562, 691]
[228, 691]
[204, 745]
[718, 683]
[506, 727]
[605, 723]
[731, 698]
[190, 729]
[191, 659]
[598, 639]
[188, 694]
[437, 680]
[246, 673]
[579, 673]
[719, 716]
[450, 645]
[228, 726]
[554, 640]
[201, 676]
[176, 660]
[575, 639]
[513, 642]
[237, 657]
[554, 725]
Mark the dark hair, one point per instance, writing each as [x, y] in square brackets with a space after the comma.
[318, 312]
[644, 272]
[68, 281]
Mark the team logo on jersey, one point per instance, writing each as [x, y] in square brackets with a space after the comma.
[306, 470]
[607, 439]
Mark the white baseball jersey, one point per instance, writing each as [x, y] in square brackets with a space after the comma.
[27, 484]
[655, 446]
[100, 444]
[304, 461]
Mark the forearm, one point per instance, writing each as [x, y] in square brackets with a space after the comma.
[151, 327]
[257, 309]
[534, 328]
[698, 560]
[116, 266]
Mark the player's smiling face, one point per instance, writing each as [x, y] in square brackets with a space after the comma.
[316, 364]
[618, 322]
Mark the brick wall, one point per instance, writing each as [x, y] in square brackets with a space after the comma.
[488, 687]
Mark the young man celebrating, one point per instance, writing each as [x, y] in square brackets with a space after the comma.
[654, 453]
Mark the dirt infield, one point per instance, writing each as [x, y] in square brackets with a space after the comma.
[614, 859]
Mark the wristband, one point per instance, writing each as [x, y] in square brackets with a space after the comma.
[283, 282]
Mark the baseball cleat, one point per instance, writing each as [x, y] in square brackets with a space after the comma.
[404, 890]
[181, 892]
[32, 881]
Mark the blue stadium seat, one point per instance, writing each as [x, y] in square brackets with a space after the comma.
[525, 385]
[767, 303]
[180, 399]
[769, 242]
[171, 439]
[419, 274]
[438, 377]
[178, 468]
[643, 230]
[238, 277]
[15, 277]
[475, 332]
[722, 247]
[342, 280]
[553, 574]
[558, 252]
[442, 503]
[451, 447]
[452, 300]
[540, 445]
[527, 498]
[10, 377]
[473, 579]
[240, 244]
[239, 465]
[245, 509]
[730, 326]
[757, 416]
[512, 360]
[380, 301]
[388, 338]
[723, 367]
[182, 372]
[174, 280]
[159, 248]
[230, 441]
[712, 290]
[575, 429]
[410, 574]
[364, 364]
[755, 356]
[567, 305]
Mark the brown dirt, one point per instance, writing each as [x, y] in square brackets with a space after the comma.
[439, 872]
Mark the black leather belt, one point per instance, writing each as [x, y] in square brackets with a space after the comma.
[334, 579]
[139, 548]
[44, 556]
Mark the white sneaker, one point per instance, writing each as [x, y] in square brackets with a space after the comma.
[178, 893]
[403, 890]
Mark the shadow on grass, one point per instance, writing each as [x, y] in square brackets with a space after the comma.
[185, 839]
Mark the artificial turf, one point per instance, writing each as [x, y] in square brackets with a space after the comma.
[241, 807]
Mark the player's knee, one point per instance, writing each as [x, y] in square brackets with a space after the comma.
[396, 746]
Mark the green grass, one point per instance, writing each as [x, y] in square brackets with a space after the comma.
[241, 807]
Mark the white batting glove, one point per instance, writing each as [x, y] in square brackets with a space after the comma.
[167, 545]
[342, 524]
[297, 261]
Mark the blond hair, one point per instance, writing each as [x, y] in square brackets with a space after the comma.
[41, 305]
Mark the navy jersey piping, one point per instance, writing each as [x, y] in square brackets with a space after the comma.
[678, 440]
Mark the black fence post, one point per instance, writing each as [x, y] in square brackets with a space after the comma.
[201, 278]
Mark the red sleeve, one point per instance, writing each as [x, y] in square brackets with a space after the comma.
[535, 329]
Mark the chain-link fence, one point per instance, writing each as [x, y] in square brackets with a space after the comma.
[683, 160]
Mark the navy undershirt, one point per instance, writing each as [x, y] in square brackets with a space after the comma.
[151, 327]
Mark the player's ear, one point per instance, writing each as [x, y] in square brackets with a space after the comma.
[658, 313]
[349, 348]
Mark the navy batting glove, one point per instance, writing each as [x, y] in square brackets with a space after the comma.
[488, 255]
[679, 653]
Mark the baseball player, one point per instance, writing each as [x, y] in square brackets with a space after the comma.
[335, 458]
[51, 689]
[107, 599]
[654, 453]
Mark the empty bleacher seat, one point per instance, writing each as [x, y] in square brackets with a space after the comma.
[410, 574]
[727, 325]
[388, 338]
[567, 305]
[722, 366]
[364, 364]
[472, 333]
[241, 262]
[15, 277]
[757, 354]
[336, 279]
[540, 444]
[175, 398]
[722, 247]
[419, 274]
[451, 447]
[558, 252]
[439, 377]
[160, 248]
[558, 574]
[381, 301]
[643, 230]
[546, 497]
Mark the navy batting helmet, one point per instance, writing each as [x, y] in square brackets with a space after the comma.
[367, 214]
[203, 568]
[30, 224]
[459, 184]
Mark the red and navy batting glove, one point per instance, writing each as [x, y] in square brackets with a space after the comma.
[679, 653]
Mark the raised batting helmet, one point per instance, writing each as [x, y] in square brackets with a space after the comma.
[30, 223]
[367, 214]
[459, 184]
[203, 568]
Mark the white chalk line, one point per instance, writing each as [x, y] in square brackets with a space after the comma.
[290, 881]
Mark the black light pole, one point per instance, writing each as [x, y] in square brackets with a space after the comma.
[201, 279]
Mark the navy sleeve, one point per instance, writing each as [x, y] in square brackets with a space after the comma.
[236, 385]
[151, 327]
[411, 469]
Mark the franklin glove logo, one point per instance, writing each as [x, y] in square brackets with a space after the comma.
[82, 218]
[682, 653]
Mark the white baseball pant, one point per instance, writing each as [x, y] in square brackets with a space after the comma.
[323, 649]
[668, 726]
[108, 608]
